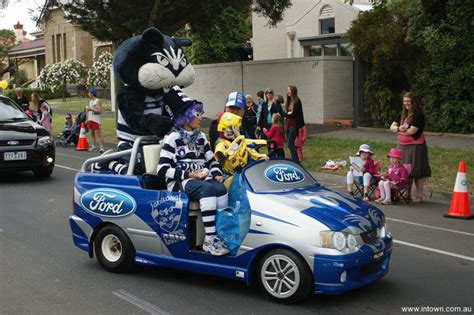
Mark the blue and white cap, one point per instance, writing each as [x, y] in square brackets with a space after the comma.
[235, 99]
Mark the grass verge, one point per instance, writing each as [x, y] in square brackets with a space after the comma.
[317, 150]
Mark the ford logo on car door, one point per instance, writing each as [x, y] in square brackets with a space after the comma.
[108, 203]
[284, 174]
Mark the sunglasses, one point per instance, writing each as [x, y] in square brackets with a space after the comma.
[268, 92]
[198, 113]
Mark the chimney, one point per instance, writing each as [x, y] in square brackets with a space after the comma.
[19, 33]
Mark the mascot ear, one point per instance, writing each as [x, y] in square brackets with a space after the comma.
[153, 36]
[182, 42]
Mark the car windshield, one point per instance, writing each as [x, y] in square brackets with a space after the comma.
[9, 110]
[277, 176]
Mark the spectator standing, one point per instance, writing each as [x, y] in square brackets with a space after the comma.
[21, 99]
[260, 102]
[45, 120]
[37, 102]
[294, 119]
[409, 126]
[249, 121]
[270, 107]
[276, 134]
[299, 142]
[94, 110]
[234, 104]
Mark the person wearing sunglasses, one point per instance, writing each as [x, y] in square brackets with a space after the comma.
[186, 160]
[270, 107]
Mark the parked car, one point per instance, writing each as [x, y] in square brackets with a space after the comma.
[302, 238]
[24, 145]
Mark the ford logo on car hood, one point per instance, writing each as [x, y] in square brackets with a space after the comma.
[284, 174]
[108, 203]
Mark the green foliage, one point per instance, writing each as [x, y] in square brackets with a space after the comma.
[7, 41]
[99, 73]
[20, 78]
[46, 94]
[56, 76]
[222, 41]
[118, 20]
[419, 45]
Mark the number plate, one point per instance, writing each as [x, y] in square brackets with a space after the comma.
[14, 156]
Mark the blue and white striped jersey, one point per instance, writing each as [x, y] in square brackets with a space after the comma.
[184, 152]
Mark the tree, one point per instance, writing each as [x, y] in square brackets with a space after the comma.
[378, 39]
[445, 81]
[7, 41]
[222, 41]
[116, 21]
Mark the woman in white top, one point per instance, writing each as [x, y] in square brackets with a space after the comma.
[93, 120]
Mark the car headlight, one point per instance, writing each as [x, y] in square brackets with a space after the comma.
[338, 240]
[45, 141]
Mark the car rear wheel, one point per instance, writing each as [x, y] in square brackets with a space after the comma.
[284, 276]
[43, 172]
[114, 250]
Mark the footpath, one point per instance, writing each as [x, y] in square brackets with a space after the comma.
[443, 140]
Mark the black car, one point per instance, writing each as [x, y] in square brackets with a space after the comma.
[24, 145]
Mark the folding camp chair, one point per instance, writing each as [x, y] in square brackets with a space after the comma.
[402, 190]
[359, 183]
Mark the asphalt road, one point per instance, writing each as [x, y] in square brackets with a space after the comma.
[41, 272]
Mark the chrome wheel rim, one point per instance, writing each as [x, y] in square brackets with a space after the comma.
[111, 248]
[280, 276]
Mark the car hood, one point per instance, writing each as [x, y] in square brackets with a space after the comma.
[338, 211]
[23, 129]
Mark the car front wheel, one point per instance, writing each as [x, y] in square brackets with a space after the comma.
[284, 276]
[114, 250]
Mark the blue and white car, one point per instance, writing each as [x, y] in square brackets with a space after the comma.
[303, 238]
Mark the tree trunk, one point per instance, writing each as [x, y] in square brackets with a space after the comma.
[154, 12]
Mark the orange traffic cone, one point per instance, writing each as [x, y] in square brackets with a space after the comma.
[82, 142]
[460, 208]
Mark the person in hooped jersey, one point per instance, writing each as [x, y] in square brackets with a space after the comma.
[186, 158]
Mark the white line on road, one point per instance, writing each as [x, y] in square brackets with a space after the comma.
[144, 305]
[430, 226]
[67, 168]
[72, 156]
[439, 251]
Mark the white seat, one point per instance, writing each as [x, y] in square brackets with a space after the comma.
[151, 155]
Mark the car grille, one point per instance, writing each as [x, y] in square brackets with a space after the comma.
[371, 268]
[4, 143]
[369, 237]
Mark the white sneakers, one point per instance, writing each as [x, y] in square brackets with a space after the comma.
[214, 246]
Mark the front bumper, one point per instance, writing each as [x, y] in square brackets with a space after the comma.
[35, 158]
[361, 268]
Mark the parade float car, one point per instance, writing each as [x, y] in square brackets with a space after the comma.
[303, 238]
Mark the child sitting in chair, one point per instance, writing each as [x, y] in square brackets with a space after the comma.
[186, 158]
[367, 171]
[396, 174]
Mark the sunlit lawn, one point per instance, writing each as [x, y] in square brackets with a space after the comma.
[444, 162]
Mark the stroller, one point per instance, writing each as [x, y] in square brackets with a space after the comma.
[71, 134]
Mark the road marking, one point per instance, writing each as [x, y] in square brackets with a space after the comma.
[430, 226]
[73, 156]
[144, 305]
[67, 168]
[439, 251]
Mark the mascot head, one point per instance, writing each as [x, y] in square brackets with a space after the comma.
[154, 62]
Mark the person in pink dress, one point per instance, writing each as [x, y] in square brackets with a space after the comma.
[299, 142]
[397, 175]
[45, 120]
[276, 134]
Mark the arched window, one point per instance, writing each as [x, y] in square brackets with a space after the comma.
[327, 23]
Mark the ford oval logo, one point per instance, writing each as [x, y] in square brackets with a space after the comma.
[284, 174]
[110, 203]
